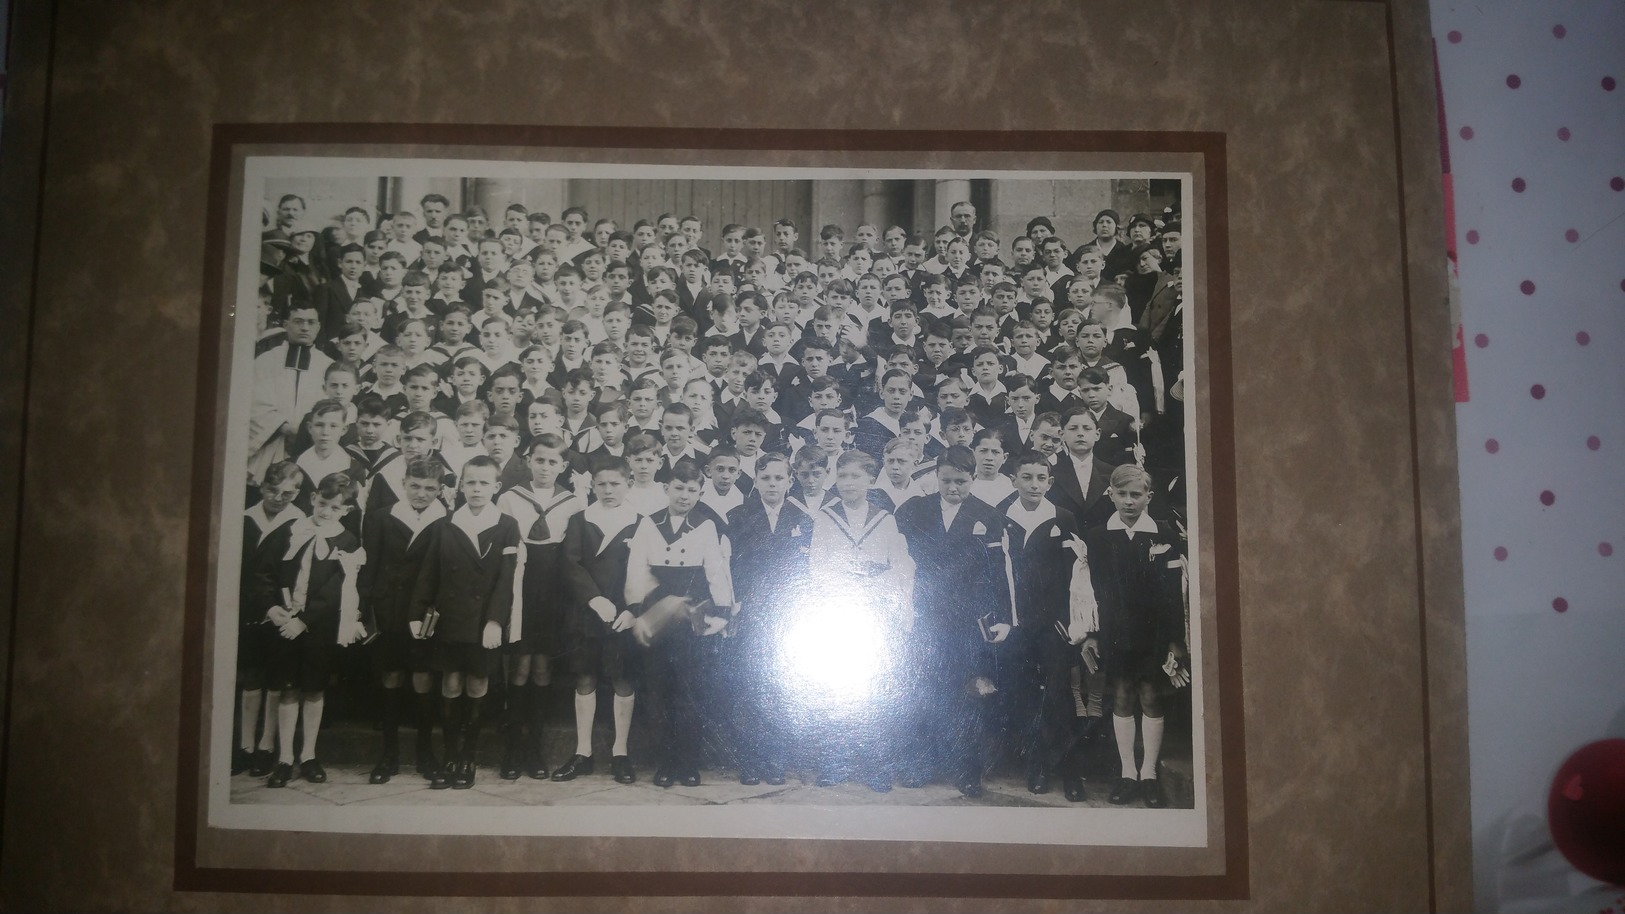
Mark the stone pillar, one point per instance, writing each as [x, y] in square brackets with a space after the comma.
[876, 204]
[949, 192]
[841, 202]
[493, 196]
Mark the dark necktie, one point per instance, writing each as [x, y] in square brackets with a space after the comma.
[539, 530]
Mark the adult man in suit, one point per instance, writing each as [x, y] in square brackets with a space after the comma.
[334, 298]
[1081, 479]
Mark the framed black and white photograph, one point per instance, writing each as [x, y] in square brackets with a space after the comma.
[633, 493]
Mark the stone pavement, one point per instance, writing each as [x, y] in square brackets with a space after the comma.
[347, 751]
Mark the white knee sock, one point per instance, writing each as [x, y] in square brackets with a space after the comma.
[251, 702]
[272, 719]
[586, 710]
[313, 723]
[1151, 732]
[623, 722]
[287, 719]
[1123, 727]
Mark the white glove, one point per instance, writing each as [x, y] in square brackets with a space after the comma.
[492, 638]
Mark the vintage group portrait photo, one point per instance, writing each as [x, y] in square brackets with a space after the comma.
[610, 498]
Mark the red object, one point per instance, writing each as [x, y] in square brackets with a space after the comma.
[1586, 810]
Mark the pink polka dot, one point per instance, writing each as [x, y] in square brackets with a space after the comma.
[1617, 183]
[1538, 391]
[1558, 31]
[1594, 443]
[1513, 81]
[1563, 134]
[1571, 236]
[1583, 338]
[1526, 287]
[1500, 553]
[1472, 236]
[1518, 185]
[1492, 446]
[1605, 549]
[1481, 340]
[1608, 84]
[1561, 605]
[1466, 133]
[1454, 37]
[1548, 498]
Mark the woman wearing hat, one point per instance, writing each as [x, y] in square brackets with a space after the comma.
[1119, 260]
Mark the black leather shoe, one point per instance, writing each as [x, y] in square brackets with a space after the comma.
[463, 777]
[577, 766]
[240, 761]
[387, 767]
[620, 766]
[510, 769]
[663, 777]
[261, 763]
[1072, 785]
[970, 786]
[536, 766]
[1125, 792]
[280, 775]
[690, 778]
[774, 774]
[750, 777]
[312, 771]
[440, 778]
[1151, 793]
[1037, 780]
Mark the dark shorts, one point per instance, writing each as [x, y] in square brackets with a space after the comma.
[305, 663]
[468, 659]
[393, 652]
[256, 644]
[611, 655]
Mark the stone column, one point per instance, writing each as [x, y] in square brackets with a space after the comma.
[949, 192]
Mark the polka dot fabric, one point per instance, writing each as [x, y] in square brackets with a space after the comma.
[1536, 130]
[1537, 147]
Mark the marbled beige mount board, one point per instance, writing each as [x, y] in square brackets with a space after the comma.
[1347, 737]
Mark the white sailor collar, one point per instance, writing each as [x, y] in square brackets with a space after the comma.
[1144, 524]
[287, 515]
[473, 524]
[1031, 520]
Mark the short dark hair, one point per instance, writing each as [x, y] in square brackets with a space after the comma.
[958, 457]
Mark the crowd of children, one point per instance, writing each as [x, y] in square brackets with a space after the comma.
[875, 506]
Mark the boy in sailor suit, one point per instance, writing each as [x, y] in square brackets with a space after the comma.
[677, 573]
[1054, 611]
[1136, 565]
[863, 573]
[396, 547]
[597, 631]
[770, 538]
[543, 509]
[467, 580]
[267, 528]
[320, 611]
